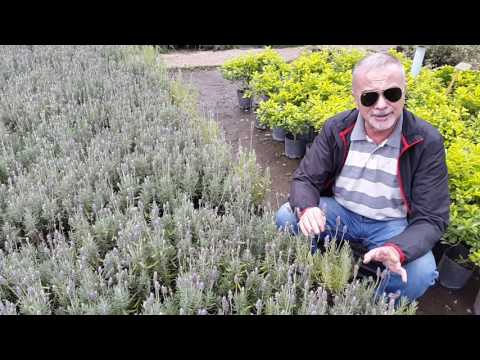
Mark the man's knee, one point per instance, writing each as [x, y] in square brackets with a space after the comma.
[424, 274]
[286, 219]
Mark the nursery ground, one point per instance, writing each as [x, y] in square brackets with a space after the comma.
[218, 97]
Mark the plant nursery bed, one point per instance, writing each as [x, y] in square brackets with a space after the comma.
[218, 96]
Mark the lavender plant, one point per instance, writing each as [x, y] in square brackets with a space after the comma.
[118, 197]
[333, 268]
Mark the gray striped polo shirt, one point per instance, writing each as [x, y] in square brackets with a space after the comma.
[367, 184]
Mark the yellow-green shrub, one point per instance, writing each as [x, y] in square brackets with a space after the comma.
[270, 80]
[464, 226]
[321, 110]
[244, 67]
[475, 257]
[307, 91]
[463, 161]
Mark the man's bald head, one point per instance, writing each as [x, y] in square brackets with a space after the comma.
[373, 62]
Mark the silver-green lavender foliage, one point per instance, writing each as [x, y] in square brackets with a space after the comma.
[333, 268]
[118, 197]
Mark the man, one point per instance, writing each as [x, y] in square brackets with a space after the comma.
[382, 171]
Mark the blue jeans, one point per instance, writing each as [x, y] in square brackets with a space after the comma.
[421, 272]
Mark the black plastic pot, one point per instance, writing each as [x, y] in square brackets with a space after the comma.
[295, 147]
[244, 103]
[451, 274]
[278, 134]
[257, 122]
[309, 135]
[438, 250]
[259, 126]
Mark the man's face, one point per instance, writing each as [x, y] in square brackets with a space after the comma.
[383, 115]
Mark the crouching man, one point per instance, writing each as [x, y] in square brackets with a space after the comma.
[382, 171]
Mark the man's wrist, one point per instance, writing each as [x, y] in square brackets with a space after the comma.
[399, 251]
[302, 211]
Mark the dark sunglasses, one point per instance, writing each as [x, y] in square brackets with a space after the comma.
[371, 97]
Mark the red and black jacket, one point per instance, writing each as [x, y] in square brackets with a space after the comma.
[422, 175]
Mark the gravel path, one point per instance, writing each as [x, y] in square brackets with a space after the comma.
[206, 59]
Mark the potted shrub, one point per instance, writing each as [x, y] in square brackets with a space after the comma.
[270, 80]
[258, 125]
[256, 104]
[455, 266]
[270, 113]
[308, 135]
[463, 235]
[240, 70]
[278, 134]
[297, 128]
[243, 68]
[295, 146]
[318, 83]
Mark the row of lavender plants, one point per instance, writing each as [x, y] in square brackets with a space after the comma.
[118, 197]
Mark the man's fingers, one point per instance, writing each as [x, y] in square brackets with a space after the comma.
[321, 221]
[397, 268]
[383, 255]
[302, 227]
[308, 225]
[369, 256]
[388, 258]
[313, 222]
[400, 271]
[319, 218]
[403, 274]
[386, 254]
[377, 254]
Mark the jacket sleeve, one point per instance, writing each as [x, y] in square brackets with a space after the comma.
[430, 203]
[314, 171]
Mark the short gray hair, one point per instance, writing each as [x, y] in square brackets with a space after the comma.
[377, 60]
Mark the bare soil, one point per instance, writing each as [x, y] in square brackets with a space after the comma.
[218, 96]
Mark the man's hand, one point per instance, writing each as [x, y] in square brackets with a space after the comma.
[312, 221]
[389, 257]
